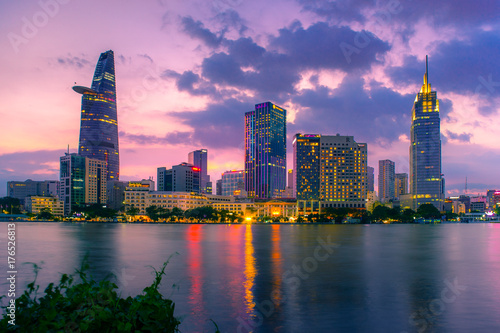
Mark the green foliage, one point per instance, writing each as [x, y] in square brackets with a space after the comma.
[407, 215]
[497, 210]
[10, 205]
[45, 214]
[428, 211]
[97, 210]
[92, 306]
[133, 211]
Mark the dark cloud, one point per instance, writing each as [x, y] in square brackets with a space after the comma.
[466, 67]
[231, 18]
[461, 13]
[220, 125]
[324, 46]
[376, 115]
[196, 29]
[464, 137]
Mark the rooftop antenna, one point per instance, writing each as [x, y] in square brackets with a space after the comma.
[427, 67]
[465, 185]
[68, 149]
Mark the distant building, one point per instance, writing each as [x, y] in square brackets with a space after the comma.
[83, 182]
[99, 119]
[426, 182]
[371, 178]
[184, 177]
[115, 194]
[265, 151]
[386, 180]
[490, 195]
[142, 198]
[371, 199]
[21, 190]
[209, 188]
[401, 184]
[232, 181]
[199, 158]
[330, 171]
[35, 204]
[218, 187]
[477, 206]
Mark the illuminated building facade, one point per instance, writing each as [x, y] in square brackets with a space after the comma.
[401, 184]
[83, 181]
[331, 170]
[199, 158]
[99, 122]
[265, 151]
[35, 204]
[232, 181]
[184, 177]
[21, 190]
[426, 182]
[386, 180]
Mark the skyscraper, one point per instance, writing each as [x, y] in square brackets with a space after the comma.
[232, 181]
[371, 178]
[331, 170]
[184, 177]
[386, 180]
[265, 151]
[99, 123]
[199, 158]
[426, 183]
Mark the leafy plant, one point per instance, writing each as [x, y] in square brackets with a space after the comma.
[91, 306]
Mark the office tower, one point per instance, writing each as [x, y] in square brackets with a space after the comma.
[184, 177]
[401, 184]
[199, 158]
[21, 190]
[331, 170]
[99, 122]
[386, 180]
[265, 151]
[426, 183]
[83, 182]
[371, 178]
[233, 180]
[115, 194]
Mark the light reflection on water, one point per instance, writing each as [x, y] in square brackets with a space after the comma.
[381, 278]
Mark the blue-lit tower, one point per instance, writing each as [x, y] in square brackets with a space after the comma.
[99, 121]
[426, 182]
[265, 151]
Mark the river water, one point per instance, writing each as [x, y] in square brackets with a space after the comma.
[286, 278]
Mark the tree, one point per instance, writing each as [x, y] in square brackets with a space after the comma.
[10, 205]
[176, 213]
[428, 211]
[152, 213]
[133, 211]
[45, 214]
[407, 215]
[97, 210]
[497, 210]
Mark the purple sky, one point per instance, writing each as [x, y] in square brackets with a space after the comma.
[188, 71]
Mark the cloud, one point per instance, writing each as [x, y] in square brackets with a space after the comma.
[196, 29]
[73, 61]
[36, 165]
[232, 19]
[376, 115]
[464, 137]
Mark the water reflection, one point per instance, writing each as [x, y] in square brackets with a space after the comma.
[250, 270]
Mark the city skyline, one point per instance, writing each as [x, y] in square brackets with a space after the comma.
[196, 81]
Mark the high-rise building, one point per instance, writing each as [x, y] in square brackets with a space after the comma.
[401, 184]
[371, 178]
[331, 170]
[265, 151]
[99, 121]
[199, 158]
[426, 182]
[184, 177]
[218, 187]
[386, 180]
[232, 181]
[83, 181]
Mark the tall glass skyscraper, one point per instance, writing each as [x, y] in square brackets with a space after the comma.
[426, 182]
[386, 180]
[99, 123]
[199, 158]
[265, 151]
